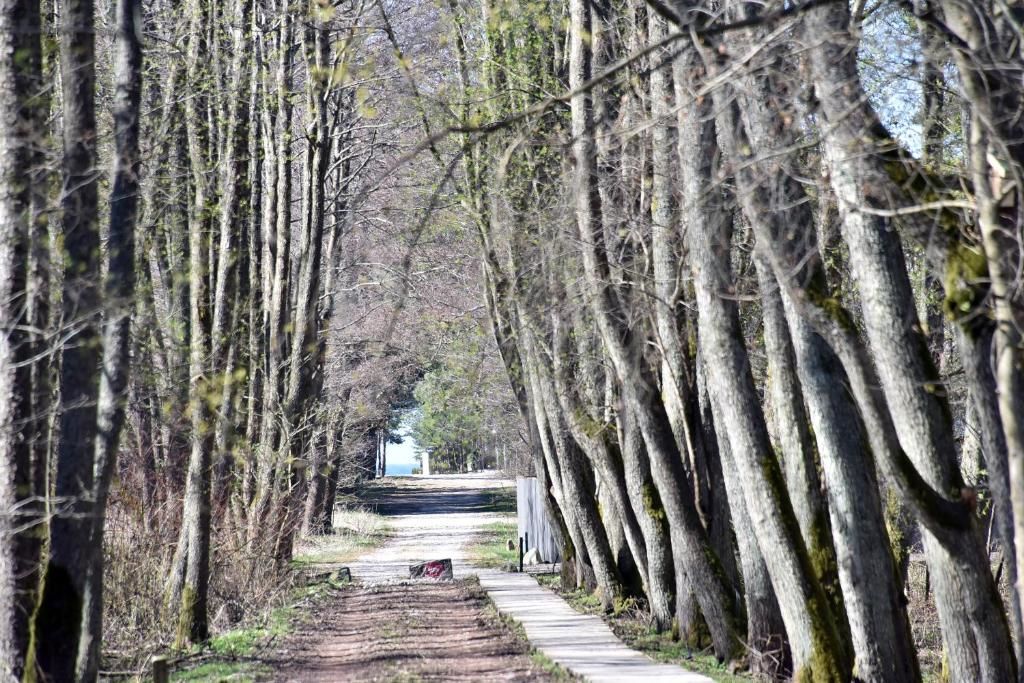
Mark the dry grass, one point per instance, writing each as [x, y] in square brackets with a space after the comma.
[246, 586]
[356, 532]
[924, 623]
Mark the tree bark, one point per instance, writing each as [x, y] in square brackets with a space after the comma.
[977, 638]
[991, 85]
[689, 540]
[61, 612]
[277, 231]
[119, 290]
[21, 490]
[767, 648]
[188, 583]
[817, 644]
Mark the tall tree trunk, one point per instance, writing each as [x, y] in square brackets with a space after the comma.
[817, 646]
[189, 580]
[766, 632]
[234, 209]
[661, 580]
[689, 539]
[119, 289]
[666, 248]
[578, 484]
[277, 231]
[987, 56]
[596, 440]
[61, 613]
[809, 618]
[21, 489]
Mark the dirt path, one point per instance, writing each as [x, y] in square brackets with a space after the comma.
[396, 632]
[388, 629]
[431, 518]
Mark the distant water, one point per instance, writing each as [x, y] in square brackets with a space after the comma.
[399, 468]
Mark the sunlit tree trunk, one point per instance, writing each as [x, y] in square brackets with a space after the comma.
[188, 584]
[977, 638]
[689, 539]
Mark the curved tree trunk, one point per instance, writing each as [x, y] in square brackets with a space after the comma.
[975, 628]
[689, 540]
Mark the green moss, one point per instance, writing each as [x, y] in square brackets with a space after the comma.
[822, 668]
[592, 428]
[830, 653]
[652, 503]
[966, 268]
[895, 521]
[923, 187]
[819, 295]
[944, 675]
[826, 567]
[185, 609]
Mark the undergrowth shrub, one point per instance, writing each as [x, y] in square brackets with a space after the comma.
[246, 584]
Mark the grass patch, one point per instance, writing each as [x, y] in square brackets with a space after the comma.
[356, 532]
[245, 642]
[579, 599]
[551, 667]
[502, 499]
[490, 547]
[211, 672]
[662, 647]
[233, 655]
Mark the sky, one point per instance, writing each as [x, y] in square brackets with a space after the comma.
[404, 453]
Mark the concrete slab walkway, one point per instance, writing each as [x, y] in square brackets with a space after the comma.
[581, 643]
